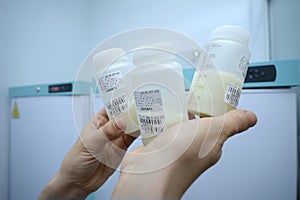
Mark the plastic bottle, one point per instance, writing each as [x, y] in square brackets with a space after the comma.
[115, 86]
[217, 85]
[159, 90]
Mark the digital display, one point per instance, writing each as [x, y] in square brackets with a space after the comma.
[266, 73]
[54, 89]
[60, 88]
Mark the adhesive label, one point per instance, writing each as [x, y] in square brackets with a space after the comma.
[243, 65]
[110, 81]
[148, 100]
[232, 94]
[117, 105]
[152, 124]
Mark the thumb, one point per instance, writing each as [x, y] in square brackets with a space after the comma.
[222, 127]
[237, 121]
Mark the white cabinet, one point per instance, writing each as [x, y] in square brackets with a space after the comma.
[39, 140]
[260, 163]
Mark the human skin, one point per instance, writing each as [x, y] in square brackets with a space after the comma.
[163, 169]
[91, 160]
[201, 151]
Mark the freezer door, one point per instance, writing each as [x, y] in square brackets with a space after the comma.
[39, 140]
[260, 163]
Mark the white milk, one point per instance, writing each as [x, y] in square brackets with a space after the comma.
[115, 86]
[216, 87]
[213, 93]
[159, 93]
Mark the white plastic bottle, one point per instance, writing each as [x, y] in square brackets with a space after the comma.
[217, 85]
[159, 91]
[114, 85]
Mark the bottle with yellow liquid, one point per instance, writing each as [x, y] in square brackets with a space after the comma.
[218, 81]
[159, 90]
[114, 85]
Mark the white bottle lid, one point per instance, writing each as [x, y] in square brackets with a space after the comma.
[231, 32]
[153, 54]
[106, 57]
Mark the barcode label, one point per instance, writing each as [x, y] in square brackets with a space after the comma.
[232, 94]
[110, 81]
[148, 100]
[117, 105]
[152, 124]
[243, 65]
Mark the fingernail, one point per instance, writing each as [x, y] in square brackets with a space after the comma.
[119, 123]
[251, 118]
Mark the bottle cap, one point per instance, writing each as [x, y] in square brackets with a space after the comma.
[153, 54]
[106, 57]
[231, 32]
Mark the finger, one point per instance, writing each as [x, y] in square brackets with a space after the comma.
[96, 140]
[237, 121]
[100, 118]
[124, 142]
[128, 140]
[94, 124]
[222, 127]
[191, 115]
[103, 112]
[101, 144]
[114, 128]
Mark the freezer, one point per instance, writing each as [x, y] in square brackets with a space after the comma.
[42, 130]
[261, 163]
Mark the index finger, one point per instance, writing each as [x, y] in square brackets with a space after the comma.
[103, 112]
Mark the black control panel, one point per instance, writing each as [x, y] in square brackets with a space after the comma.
[67, 87]
[266, 73]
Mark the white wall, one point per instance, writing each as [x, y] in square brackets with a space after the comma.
[46, 40]
[40, 41]
[285, 37]
[285, 29]
[195, 18]
[3, 114]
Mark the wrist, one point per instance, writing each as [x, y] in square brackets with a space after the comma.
[149, 185]
[59, 188]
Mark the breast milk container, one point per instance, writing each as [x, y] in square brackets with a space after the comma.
[115, 86]
[159, 91]
[217, 84]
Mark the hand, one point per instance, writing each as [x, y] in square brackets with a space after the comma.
[170, 163]
[92, 159]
